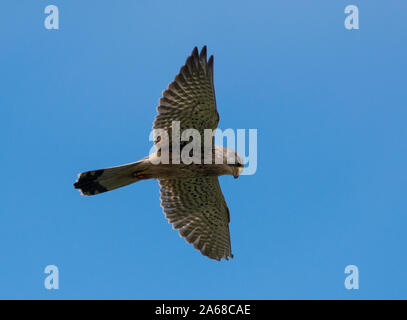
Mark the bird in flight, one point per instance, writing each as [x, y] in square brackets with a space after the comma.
[190, 193]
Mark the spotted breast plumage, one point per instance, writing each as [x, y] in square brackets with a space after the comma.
[191, 196]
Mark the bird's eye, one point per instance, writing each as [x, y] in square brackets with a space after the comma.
[239, 165]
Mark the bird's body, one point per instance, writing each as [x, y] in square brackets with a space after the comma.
[190, 192]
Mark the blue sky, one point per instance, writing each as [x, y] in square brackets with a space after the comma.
[330, 108]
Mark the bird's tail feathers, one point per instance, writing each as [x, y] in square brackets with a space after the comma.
[103, 180]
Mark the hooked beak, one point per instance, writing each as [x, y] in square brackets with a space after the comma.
[237, 171]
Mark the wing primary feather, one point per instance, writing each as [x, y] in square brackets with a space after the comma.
[210, 68]
[202, 58]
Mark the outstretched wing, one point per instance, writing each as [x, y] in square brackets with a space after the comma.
[197, 208]
[190, 98]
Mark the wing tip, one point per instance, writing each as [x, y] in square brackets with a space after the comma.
[203, 248]
[200, 60]
[210, 61]
[202, 55]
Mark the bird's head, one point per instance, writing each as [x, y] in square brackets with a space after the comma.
[237, 169]
[234, 161]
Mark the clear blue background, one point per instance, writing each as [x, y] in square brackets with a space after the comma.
[329, 105]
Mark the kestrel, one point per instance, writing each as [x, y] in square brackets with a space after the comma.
[191, 196]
